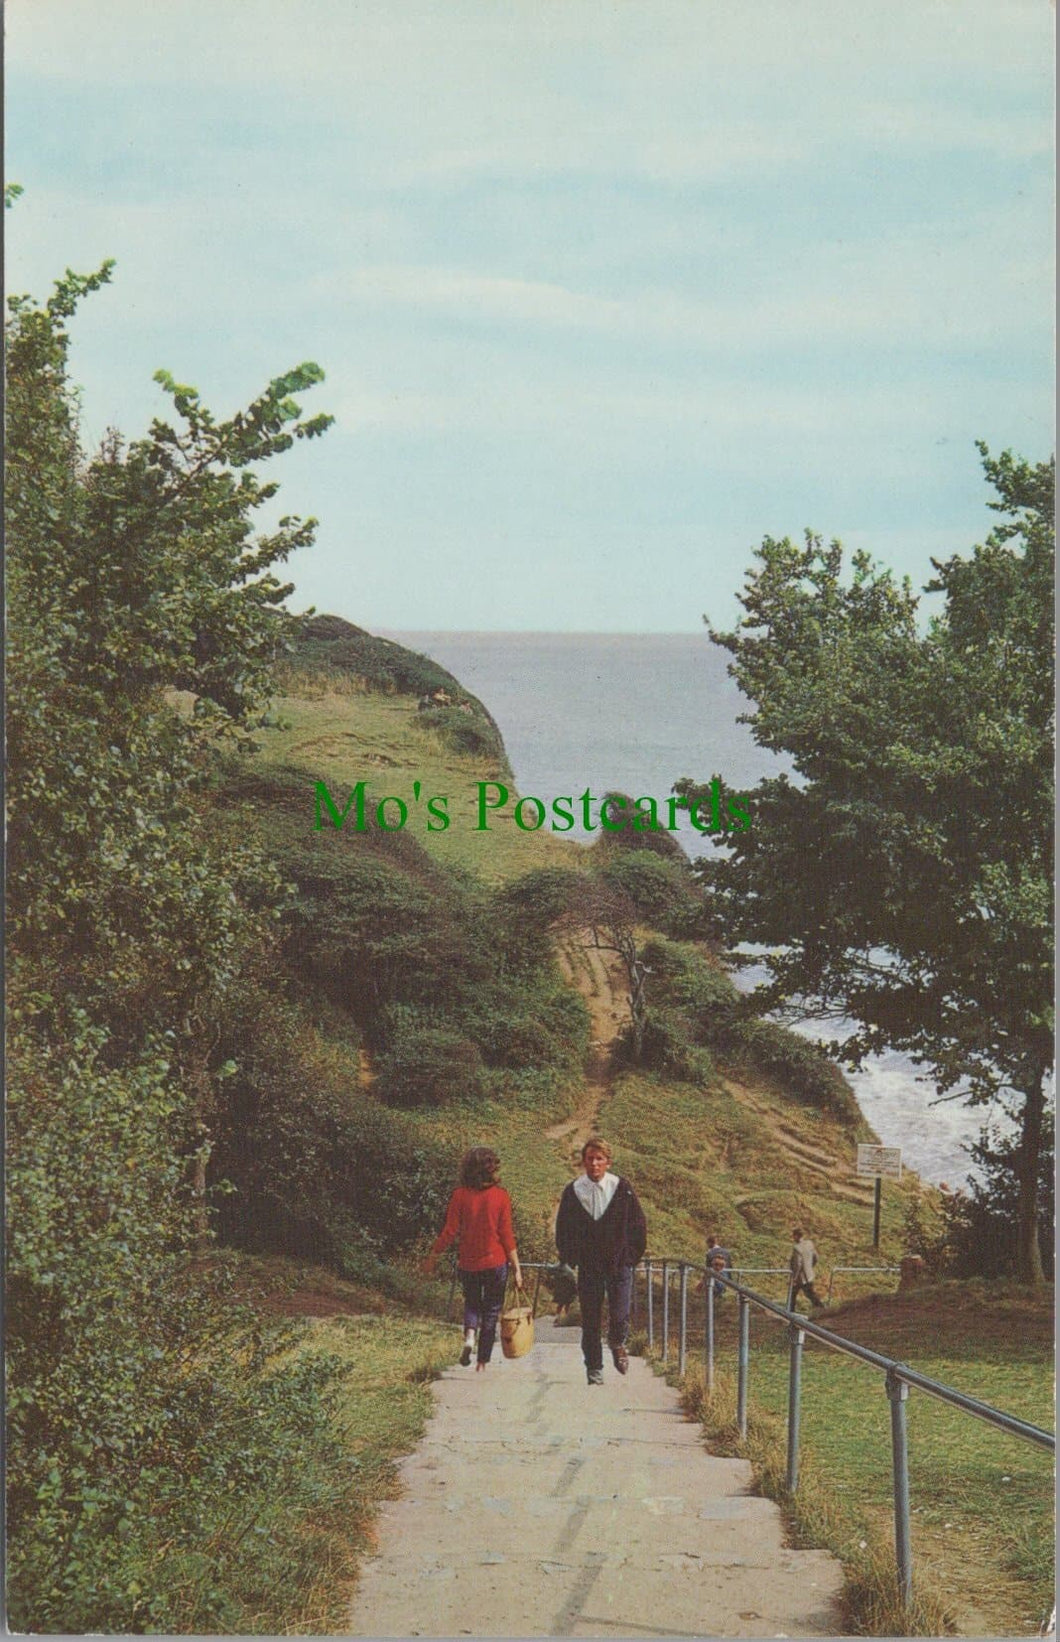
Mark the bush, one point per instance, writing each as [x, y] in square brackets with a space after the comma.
[468, 733]
[328, 644]
[318, 1167]
[152, 1427]
[982, 1225]
[668, 1047]
[798, 1065]
[430, 1066]
[376, 929]
[660, 889]
[641, 839]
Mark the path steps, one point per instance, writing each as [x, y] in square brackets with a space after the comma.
[537, 1505]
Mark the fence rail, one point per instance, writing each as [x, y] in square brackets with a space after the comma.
[832, 1274]
[899, 1378]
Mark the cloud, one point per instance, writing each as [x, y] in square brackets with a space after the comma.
[671, 92]
[913, 288]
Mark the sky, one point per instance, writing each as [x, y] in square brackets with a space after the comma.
[605, 290]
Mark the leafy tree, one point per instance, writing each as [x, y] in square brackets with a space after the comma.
[902, 878]
[135, 1400]
[982, 1224]
[132, 576]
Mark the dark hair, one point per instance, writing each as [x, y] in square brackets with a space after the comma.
[797, 1233]
[478, 1168]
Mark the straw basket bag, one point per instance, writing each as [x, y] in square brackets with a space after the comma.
[517, 1324]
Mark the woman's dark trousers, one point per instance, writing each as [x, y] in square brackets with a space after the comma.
[592, 1286]
[483, 1299]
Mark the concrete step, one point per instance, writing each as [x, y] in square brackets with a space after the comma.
[539, 1506]
[741, 1525]
[622, 1594]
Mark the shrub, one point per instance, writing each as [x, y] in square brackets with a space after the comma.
[982, 1223]
[328, 644]
[430, 1066]
[641, 839]
[468, 733]
[668, 1047]
[318, 1167]
[798, 1065]
[660, 890]
[152, 1426]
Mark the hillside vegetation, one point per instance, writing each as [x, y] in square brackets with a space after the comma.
[424, 962]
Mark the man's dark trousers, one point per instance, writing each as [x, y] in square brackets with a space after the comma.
[592, 1286]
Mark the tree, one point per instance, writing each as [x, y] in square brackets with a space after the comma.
[902, 876]
[134, 575]
[136, 1394]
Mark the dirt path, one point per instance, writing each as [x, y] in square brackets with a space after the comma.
[601, 980]
[539, 1506]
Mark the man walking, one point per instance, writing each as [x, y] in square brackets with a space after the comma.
[600, 1229]
[803, 1264]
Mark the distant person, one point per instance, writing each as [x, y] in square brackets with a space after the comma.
[480, 1216]
[600, 1229]
[803, 1265]
[718, 1260]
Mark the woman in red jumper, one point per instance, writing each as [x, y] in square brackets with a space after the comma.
[480, 1215]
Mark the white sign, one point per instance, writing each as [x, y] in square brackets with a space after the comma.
[880, 1160]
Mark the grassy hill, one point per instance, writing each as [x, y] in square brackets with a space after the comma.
[426, 980]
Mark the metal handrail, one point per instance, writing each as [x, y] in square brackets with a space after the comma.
[831, 1274]
[898, 1378]
[902, 1371]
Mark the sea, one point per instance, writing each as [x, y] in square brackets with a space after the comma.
[634, 712]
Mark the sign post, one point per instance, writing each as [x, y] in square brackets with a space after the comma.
[879, 1161]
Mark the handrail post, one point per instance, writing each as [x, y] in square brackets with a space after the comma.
[898, 1393]
[651, 1306]
[666, 1311]
[683, 1337]
[709, 1341]
[797, 1336]
[744, 1365]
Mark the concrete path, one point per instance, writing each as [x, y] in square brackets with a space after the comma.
[537, 1505]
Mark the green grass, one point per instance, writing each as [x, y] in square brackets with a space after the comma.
[384, 1404]
[705, 1159]
[349, 737]
[981, 1501]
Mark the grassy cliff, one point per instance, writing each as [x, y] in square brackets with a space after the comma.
[434, 1005]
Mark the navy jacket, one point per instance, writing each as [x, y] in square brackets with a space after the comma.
[617, 1239]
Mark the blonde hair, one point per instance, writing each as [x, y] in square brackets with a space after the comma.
[595, 1144]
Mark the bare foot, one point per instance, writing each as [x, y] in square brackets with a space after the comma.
[479, 1367]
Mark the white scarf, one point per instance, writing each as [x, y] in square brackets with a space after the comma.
[595, 1195]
